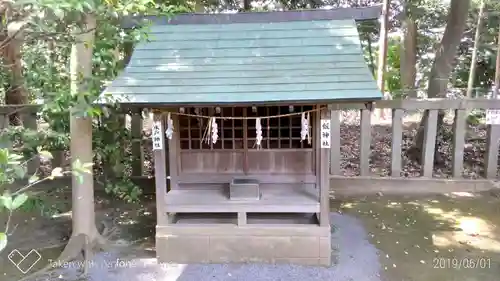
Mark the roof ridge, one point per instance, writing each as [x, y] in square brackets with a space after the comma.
[357, 13]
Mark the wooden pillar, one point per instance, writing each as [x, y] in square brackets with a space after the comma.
[137, 151]
[397, 142]
[29, 122]
[58, 158]
[335, 155]
[160, 171]
[4, 124]
[491, 158]
[364, 143]
[317, 144]
[245, 142]
[493, 132]
[174, 146]
[459, 132]
[428, 149]
[322, 172]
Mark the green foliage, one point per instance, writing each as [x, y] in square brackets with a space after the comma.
[27, 140]
[109, 143]
[3, 241]
[123, 189]
[49, 35]
[393, 74]
[12, 168]
[12, 203]
[34, 204]
[476, 117]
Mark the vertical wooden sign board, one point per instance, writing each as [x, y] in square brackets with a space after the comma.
[325, 133]
[493, 117]
[157, 135]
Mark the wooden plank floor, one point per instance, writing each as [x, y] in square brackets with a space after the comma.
[276, 199]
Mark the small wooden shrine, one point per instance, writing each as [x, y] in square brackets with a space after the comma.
[241, 129]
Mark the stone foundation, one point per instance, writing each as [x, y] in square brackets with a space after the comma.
[297, 244]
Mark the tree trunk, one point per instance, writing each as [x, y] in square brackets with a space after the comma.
[371, 60]
[447, 49]
[199, 6]
[81, 131]
[15, 92]
[442, 67]
[128, 49]
[472, 73]
[247, 5]
[85, 235]
[497, 69]
[382, 55]
[409, 57]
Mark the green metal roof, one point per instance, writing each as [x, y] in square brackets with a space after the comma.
[291, 61]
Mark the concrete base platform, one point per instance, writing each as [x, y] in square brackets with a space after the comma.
[226, 243]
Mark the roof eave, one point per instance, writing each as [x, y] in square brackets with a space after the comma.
[226, 104]
[359, 14]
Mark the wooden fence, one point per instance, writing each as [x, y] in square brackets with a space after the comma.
[365, 182]
[138, 143]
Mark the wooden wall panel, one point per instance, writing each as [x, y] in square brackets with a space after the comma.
[211, 161]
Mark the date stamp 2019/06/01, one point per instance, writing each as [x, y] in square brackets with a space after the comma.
[461, 263]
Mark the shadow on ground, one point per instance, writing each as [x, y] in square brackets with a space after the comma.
[432, 238]
[356, 261]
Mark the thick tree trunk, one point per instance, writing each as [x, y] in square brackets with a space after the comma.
[15, 91]
[409, 57]
[82, 192]
[447, 49]
[442, 67]
[477, 37]
[81, 132]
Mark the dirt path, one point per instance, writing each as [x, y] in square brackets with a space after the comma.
[357, 260]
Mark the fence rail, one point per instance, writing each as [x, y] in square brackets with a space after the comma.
[140, 145]
[29, 115]
[460, 107]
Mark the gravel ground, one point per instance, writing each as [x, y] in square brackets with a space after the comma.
[357, 261]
